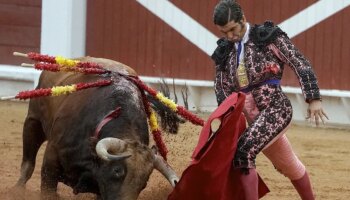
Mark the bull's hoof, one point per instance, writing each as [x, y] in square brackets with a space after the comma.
[20, 184]
[49, 196]
[98, 197]
[17, 189]
[19, 193]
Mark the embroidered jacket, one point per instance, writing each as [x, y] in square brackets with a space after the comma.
[266, 52]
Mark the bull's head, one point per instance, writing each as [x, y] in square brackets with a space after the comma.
[126, 168]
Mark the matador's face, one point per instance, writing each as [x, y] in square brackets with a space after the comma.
[234, 31]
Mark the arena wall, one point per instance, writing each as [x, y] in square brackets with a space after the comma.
[184, 48]
[20, 28]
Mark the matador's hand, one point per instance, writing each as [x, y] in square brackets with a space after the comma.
[315, 112]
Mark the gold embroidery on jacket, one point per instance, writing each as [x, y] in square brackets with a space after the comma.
[242, 76]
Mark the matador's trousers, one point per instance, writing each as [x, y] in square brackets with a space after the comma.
[269, 113]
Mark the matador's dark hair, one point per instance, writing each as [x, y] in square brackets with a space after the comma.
[226, 11]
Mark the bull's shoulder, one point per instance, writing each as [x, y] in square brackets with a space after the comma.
[110, 65]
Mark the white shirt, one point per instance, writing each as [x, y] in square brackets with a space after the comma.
[244, 40]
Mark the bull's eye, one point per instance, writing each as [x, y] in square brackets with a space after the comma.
[118, 172]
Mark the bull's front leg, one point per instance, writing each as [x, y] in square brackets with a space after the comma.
[50, 171]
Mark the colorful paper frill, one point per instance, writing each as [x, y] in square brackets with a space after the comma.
[60, 90]
[62, 61]
[169, 103]
[56, 68]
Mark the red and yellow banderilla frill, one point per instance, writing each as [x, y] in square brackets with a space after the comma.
[60, 90]
[58, 60]
[58, 63]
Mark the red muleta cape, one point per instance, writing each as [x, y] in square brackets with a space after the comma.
[211, 175]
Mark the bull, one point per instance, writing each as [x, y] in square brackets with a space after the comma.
[122, 161]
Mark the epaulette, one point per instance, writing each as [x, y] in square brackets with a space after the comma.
[264, 34]
[222, 51]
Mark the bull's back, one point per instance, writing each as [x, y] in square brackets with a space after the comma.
[111, 65]
[49, 79]
[48, 109]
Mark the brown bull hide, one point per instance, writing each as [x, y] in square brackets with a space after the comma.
[67, 122]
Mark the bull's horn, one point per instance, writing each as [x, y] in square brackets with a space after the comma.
[114, 145]
[162, 166]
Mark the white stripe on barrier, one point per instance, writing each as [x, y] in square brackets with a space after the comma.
[201, 93]
[312, 15]
[31, 75]
[182, 23]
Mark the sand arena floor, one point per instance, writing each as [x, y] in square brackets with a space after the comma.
[325, 152]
